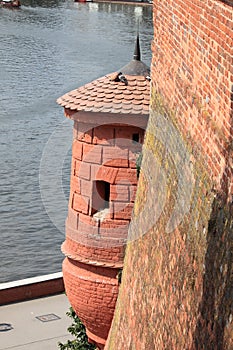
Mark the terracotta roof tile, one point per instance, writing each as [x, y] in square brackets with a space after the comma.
[136, 102]
[126, 106]
[129, 97]
[138, 98]
[106, 95]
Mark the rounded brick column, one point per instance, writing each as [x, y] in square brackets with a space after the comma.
[102, 191]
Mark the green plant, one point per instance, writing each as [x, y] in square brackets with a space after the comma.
[119, 276]
[77, 329]
[138, 164]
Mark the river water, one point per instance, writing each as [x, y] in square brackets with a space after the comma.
[48, 48]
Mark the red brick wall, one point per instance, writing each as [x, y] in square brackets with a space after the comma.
[193, 70]
[102, 153]
[103, 167]
[177, 284]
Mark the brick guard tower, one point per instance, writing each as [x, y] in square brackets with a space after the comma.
[110, 115]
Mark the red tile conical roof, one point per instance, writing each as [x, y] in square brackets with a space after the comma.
[110, 94]
[124, 92]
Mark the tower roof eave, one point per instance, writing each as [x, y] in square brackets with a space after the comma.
[102, 118]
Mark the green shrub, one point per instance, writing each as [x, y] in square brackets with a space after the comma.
[138, 164]
[77, 329]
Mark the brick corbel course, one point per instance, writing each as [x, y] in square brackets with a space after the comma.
[91, 305]
[119, 233]
[112, 223]
[86, 249]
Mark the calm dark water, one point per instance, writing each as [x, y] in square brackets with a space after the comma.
[47, 49]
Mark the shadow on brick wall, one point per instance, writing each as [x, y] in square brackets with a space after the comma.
[228, 2]
[214, 328]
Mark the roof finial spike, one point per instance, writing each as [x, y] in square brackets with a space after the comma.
[137, 54]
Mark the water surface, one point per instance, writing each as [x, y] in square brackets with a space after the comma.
[47, 49]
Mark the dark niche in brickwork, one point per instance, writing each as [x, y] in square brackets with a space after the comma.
[100, 196]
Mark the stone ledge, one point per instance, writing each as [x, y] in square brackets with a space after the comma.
[31, 288]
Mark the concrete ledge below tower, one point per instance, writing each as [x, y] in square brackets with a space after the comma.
[31, 288]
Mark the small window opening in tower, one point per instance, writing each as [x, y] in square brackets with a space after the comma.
[135, 138]
[100, 196]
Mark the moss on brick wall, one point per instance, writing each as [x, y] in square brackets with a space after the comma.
[176, 290]
[177, 285]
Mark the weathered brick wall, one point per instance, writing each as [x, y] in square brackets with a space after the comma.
[177, 286]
